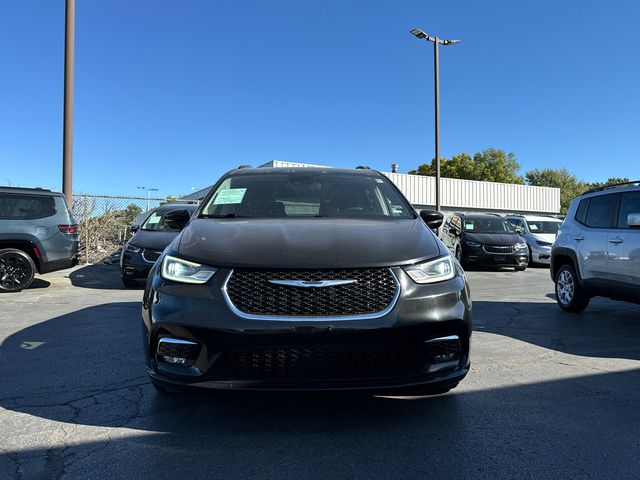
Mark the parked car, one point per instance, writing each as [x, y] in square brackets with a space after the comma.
[149, 240]
[307, 279]
[539, 233]
[485, 240]
[38, 234]
[597, 252]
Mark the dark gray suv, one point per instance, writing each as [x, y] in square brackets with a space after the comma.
[38, 234]
[306, 278]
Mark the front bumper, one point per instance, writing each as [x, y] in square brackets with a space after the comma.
[478, 256]
[134, 267]
[541, 255]
[234, 352]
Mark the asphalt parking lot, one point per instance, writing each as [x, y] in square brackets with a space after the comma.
[550, 395]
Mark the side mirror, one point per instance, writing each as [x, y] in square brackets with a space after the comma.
[520, 230]
[177, 219]
[633, 220]
[135, 228]
[432, 218]
[453, 231]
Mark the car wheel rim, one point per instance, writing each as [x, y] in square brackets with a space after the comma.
[565, 287]
[13, 271]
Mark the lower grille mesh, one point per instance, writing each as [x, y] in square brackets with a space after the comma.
[308, 362]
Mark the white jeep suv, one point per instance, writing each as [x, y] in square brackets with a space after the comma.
[597, 252]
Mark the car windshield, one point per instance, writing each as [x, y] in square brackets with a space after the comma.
[302, 194]
[155, 222]
[487, 225]
[543, 227]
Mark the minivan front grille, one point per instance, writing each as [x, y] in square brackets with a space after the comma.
[499, 249]
[151, 256]
[319, 362]
[312, 293]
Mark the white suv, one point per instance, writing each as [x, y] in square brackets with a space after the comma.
[597, 252]
[539, 233]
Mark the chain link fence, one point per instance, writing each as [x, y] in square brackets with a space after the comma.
[104, 223]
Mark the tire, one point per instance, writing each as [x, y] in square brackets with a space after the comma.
[16, 270]
[520, 269]
[129, 283]
[571, 297]
[459, 255]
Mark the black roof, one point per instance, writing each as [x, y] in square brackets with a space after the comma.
[34, 190]
[265, 170]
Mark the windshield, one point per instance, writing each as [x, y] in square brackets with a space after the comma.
[543, 227]
[155, 222]
[487, 225]
[302, 194]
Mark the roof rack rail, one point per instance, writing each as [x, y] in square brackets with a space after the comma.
[244, 165]
[363, 167]
[613, 185]
[26, 188]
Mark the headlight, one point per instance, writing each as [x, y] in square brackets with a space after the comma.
[543, 244]
[132, 248]
[183, 271]
[521, 246]
[437, 270]
[473, 244]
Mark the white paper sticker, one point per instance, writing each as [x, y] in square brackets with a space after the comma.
[231, 196]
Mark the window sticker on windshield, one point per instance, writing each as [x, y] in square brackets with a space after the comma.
[153, 219]
[379, 180]
[231, 196]
[533, 227]
[468, 225]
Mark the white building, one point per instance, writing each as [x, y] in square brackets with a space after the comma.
[456, 195]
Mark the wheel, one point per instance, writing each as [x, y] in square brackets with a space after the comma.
[520, 269]
[570, 296]
[127, 282]
[16, 270]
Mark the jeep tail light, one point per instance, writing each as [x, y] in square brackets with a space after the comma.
[68, 228]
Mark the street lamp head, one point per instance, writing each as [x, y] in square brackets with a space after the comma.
[419, 33]
[450, 42]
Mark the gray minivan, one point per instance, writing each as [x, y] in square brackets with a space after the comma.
[38, 234]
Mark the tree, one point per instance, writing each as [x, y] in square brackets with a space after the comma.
[570, 187]
[610, 181]
[490, 165]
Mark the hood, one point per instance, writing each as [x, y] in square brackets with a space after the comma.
[544, 237]
[307, 242]
[152, 240]
[494, 238]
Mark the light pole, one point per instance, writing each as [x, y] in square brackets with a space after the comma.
[436, 72]
[67, 134]
[149, 190]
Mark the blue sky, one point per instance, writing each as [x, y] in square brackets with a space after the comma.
[171, 94]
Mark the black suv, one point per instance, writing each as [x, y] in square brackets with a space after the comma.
[485, 240]
[306, 278]
[38, 234]
[149, 240]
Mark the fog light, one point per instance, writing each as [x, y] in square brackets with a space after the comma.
[442, 353]
[175, 360]
[177, 352]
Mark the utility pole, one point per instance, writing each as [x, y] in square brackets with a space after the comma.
[67, 136]
[436, 72]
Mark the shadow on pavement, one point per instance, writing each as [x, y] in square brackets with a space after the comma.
[85, 368]
[606, 329]
[97, 276]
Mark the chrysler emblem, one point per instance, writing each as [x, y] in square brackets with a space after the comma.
[312, 284]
